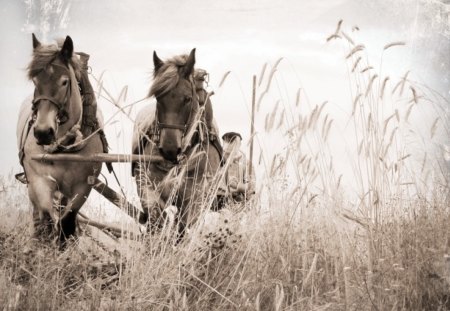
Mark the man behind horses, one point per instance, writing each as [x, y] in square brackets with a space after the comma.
[237, 185]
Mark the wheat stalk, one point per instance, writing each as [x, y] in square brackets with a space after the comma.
[348, 38]
[386, 123]
[356, 63]
[271, 75]
[408, 112]
[414, 93]
[328, 130]
[356, 49]
[367, 68]
[280, 122]
[383, 87]
[266, 123]
[222, 81]
[402, 86]
[434, 127]
[355, 102]
[369, 87]
[397, 115]
[323, 125]
[398, 43]
[312, 116]
[335, 34]
[297, 98]
[261, 75]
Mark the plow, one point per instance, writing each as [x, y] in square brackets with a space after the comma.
[104, 190]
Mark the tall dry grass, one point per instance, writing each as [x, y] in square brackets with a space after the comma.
[302, 243]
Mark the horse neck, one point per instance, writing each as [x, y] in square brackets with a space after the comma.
[74, 106]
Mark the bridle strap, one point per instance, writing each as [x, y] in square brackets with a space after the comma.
[172, 126]
[37, 99]
[181, 127]
[58, 104]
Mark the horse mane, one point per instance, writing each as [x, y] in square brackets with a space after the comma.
[167, 77]
[44, 55]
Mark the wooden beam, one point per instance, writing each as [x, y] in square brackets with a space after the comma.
[116, 199]
[117, 232]
[96, 157]
[252, 133]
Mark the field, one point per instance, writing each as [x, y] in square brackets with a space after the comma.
[311, 238]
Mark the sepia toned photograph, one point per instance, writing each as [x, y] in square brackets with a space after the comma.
[225, 155]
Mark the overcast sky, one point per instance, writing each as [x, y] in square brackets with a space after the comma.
[233, 35]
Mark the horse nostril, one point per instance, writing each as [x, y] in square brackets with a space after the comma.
[50, 133]
[178, 151]
[45, 136]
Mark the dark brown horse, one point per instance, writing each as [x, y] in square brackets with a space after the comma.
[174, 129]
[49, 123]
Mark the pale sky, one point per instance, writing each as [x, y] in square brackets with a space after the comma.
[233, 35]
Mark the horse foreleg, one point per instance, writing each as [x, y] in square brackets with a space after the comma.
[151, 202]
[41, 194]
[67, 222]
[190, 207]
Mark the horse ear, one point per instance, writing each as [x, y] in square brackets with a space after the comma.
[67, 49]
[36, 42]
[157, 62]
[190, 62]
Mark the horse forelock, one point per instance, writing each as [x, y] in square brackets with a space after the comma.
[44, 55]
[168, 76]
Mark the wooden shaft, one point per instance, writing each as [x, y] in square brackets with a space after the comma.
[96, 157]
[252, 133]
[116, 199]
[117, 232]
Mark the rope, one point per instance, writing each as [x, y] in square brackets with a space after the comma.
[120, 186]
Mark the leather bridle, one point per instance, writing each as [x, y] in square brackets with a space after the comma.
[62, 116]
[181, 127]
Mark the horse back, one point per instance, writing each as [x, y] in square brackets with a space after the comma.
[144, 121]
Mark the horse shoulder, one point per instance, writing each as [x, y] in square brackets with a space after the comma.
[22, 122]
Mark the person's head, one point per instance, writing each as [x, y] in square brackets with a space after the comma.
[200, 76]
[231, 140]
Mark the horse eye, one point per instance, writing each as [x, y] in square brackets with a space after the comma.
[65, 82]
[187, 99]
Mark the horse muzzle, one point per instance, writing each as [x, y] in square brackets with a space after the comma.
[170, 144]
[44, 136]
[170, 155]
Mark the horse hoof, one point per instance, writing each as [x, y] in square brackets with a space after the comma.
[143, 218]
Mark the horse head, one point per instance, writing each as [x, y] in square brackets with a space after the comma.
[177, 102]
[53, 75]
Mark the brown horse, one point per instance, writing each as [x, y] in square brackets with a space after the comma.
[174, 129]
[50, 123]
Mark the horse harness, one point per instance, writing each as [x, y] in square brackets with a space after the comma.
[85, 125]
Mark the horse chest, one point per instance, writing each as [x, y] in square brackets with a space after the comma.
[65, 174]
